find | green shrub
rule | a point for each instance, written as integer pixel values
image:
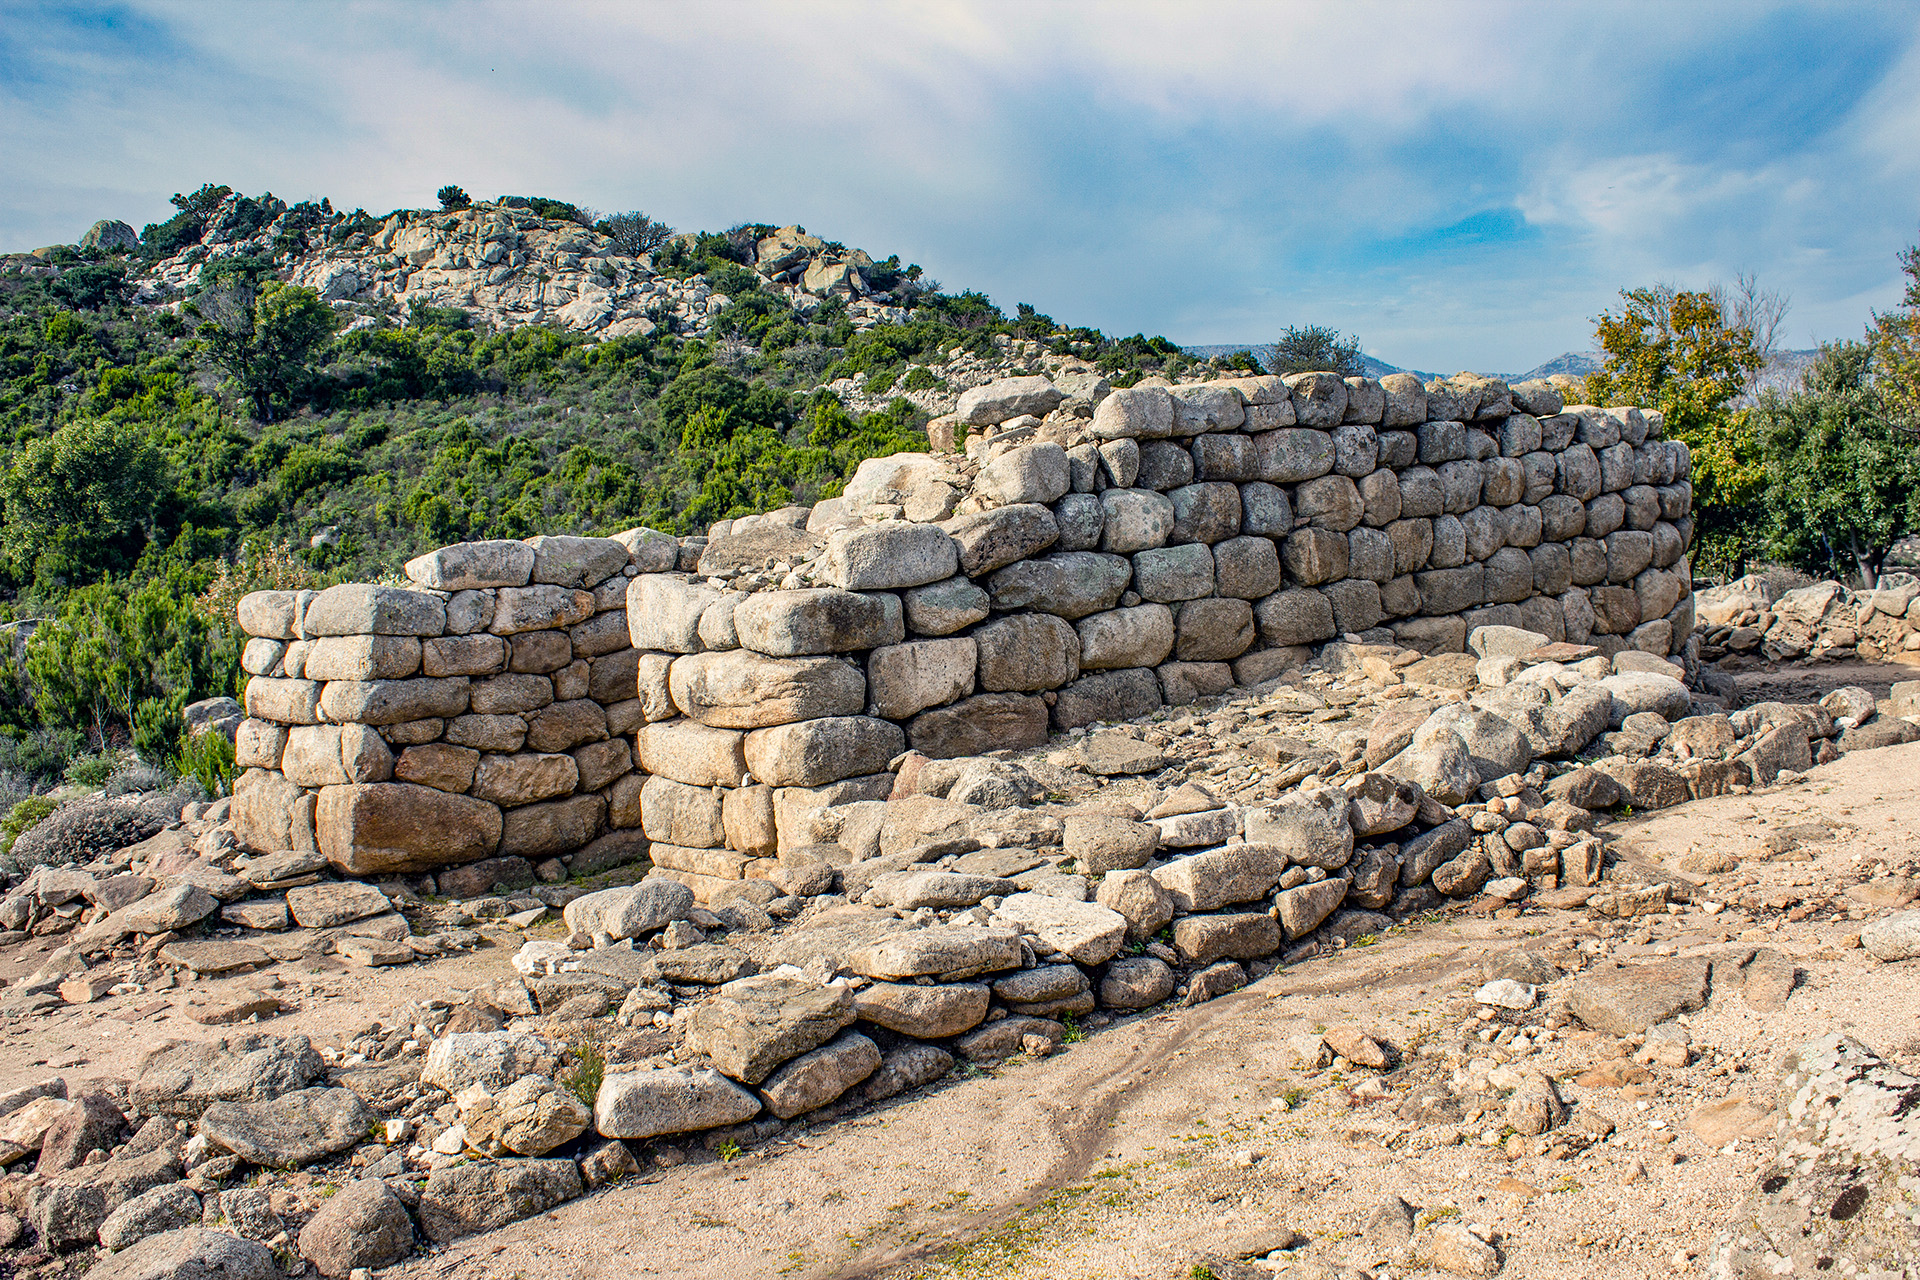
(92, 770)
(157, 726)
(452, 197)
(207, 758)
(22, 818)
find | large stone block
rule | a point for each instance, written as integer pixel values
(1357, 605)
(566, 561)
(1213, 629)
(1134, 413)
(1265, 510)
(1037, 472)
(906, 679)
(393, 701)
(1246, 568)
(742, 690)
(466, 655)
(942, 608)
(693, 753)
(353, 609)
(537, 831)
(1169, 574)
(1295, 616)
(888, 556)
(813, 753)
(363, 657)
(1208, 512)
(1081, 519)
(468, 566)
(539, 608)
(1319, 399)
(1135, 520)
(370, 829)
(1141, 636)
(1404, 400)
(1107, 695)
(270, 614)
(982, 723)
(524, 777)
(1330, 502)
(992, 539)
(1206, 406)
(1292, 455)
(1007, 398)
(1314, 556)
(1452, 590)
(283, 701)
(1027, 653)
(663, 612)
(678, 814)
(1070, 584)
(566, 725)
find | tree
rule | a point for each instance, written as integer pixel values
(1681, 352)
(1842, 479)
(634, 233)
(1895, 339)
(78, 502)
(452, 197)
(265, 337)
(1316, 349)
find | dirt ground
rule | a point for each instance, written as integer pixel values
(1151, 1147)
(1160, 1140)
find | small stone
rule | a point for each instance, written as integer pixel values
(1505, 993)
(1357, 1047)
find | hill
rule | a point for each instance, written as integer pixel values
(254, 393)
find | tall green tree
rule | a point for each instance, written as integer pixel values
(1681, 352)
(79, 502)
(1317, 349)
(1895, 339)
(265, 336)
(1842, 478)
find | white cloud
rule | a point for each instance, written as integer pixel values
(1207, 171)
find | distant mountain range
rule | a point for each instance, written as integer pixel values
(1783, 371)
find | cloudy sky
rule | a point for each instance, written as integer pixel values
(1462, 184)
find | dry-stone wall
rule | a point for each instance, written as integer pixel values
(1089, 554)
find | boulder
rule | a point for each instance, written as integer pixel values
(650, 1103)
(191, 1253)
(1309, 828)
(889, 556)
(754, 1024)
(1217, 877)
(816, 1078)
(1083, 931)
(742, 690)
(363, 1226)
(296, 1128)
(490, 1059)
(469, 566)
(184, 1079)
(385, 827)
(530, 1117)
(463, 1199)
(943, 954)
(927, 1013)
(1007, 398)
(1625, 999)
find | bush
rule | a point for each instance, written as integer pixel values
(634, 233)
(1317, 349)
(91, 770)
(41, 756)
(81, 830)
(452, 197)
(157, 726)
(207, 759)
(22, 818)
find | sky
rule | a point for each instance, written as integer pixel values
(1462, 185)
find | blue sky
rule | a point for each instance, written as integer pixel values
(1463, 185)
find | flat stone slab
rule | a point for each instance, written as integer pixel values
(1634, 997)
(1110, 755)
(211, 955)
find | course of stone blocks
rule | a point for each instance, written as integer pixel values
(698, 700)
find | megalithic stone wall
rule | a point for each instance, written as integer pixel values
(697, 701)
